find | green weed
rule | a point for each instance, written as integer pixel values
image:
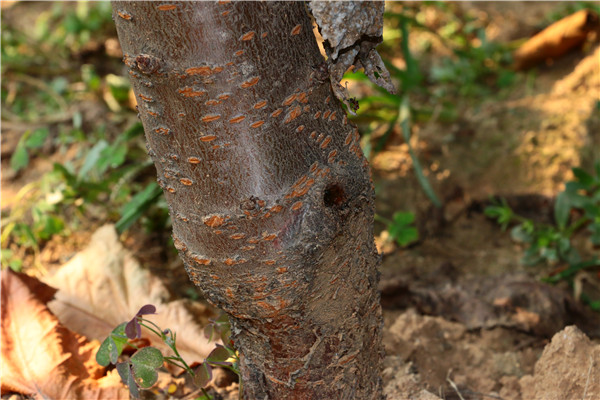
(401, 228)
(576, 208)
(100, 180)
(46, 79)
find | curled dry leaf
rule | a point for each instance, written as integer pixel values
(40, 356)
(104, 285)
(557, 39)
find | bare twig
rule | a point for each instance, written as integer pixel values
(453, 385)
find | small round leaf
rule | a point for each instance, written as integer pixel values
(219, 355)
(111, 348)
(124, 370)
(145, 362)
(203, 375)
(208, 332)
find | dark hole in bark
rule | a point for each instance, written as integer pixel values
(334, 195)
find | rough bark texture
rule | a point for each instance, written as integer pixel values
(269, 192)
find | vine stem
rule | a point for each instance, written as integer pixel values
(172, 345)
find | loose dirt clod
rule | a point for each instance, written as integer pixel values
(568, 369)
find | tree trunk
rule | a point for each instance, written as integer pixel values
(269, 192)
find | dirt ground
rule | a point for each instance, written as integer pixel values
(464, 319)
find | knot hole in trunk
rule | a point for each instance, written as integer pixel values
(334, 195)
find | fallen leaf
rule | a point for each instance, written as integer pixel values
(39, 355)
(104, 286)
(557, 39)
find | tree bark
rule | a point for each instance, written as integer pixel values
(269, 192)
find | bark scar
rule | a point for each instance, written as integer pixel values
(351, 31)
(291, 383)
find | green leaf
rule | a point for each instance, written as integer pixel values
(124, 370)
(27, 236)
(135, 130)
(145, 362)
(406, 236)
(574, 187)
(592, 211)
(575, 193)
(37, 138)
(91, 159)
(112, 347)
(493, 211)
(49, 225)
(572, 256)
(573, 269)
(595, 230)
(586, 179)
(505, 78)
(133, 210)
(532, 256)
(16, 265)
(562, 209)
(403, 218)
(501, 212)
(203, 375)
(549, 253)
(223, 318)
(520, 234)
(405, 125)
(564, 245)
(209, 331)
(112, 157)
(77, 120)
(67, 175)
(413, 76)
(6, 254)
(400, 230)
(594, 305)
(219, 355)
(59, 84)
(225, 334)
(20, 158)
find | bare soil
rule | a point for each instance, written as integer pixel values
(464, 318)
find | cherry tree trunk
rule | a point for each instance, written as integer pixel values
(269, 192)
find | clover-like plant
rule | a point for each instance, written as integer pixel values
(140, 370)
(401, 228)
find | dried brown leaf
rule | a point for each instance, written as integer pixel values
(557, 39)
(39, 355)
(104, 285)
